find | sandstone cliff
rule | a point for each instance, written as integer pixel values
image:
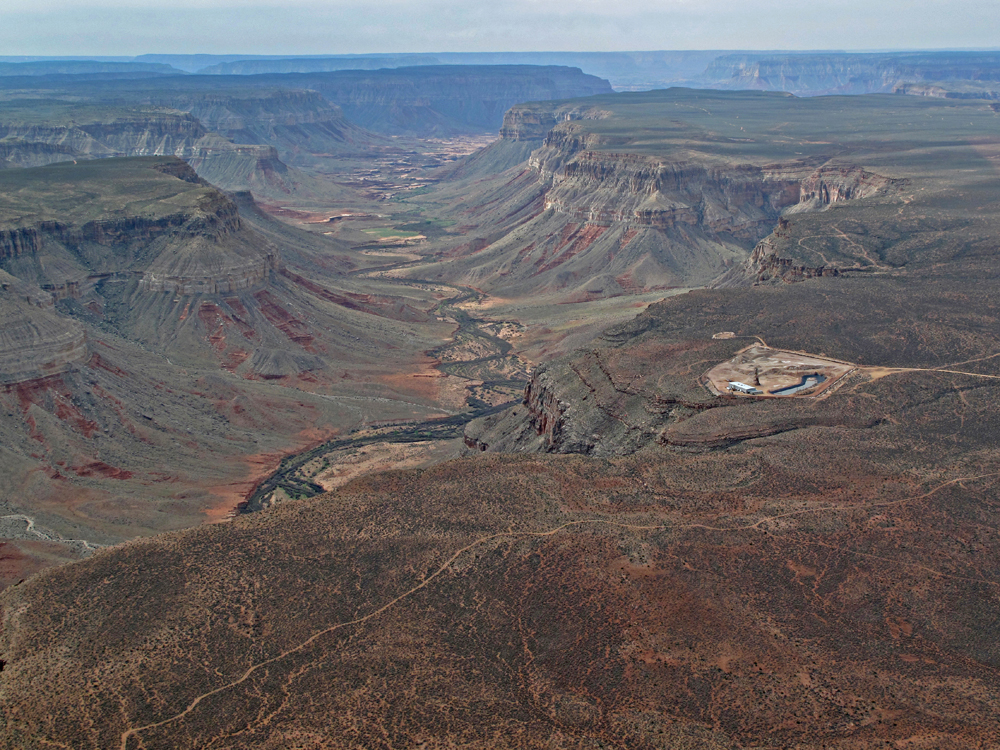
(637, 193)
(35, 342)
(301, 125)
(49, 133)
(170, 232)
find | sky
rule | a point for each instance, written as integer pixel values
(308, 27)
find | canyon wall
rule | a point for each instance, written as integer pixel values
(612, 217)
(447, 99)
(35, 342)
(292, 119)
(153, 133)
(193, 242)
(812, 74)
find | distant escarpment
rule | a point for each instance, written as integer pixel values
(312, 114)
(91, 133)
(446, 99)
(39, 133)
(301, 125)
(809, 74)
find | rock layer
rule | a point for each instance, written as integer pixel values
(35, 342)
(173, 234)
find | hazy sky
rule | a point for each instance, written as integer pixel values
(130, 27)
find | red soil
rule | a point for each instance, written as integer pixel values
(292, 327)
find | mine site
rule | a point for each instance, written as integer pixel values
(761, 371)
(395, 386)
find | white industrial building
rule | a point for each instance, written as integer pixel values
(735, 385)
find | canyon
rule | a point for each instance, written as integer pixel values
(147, 313)
(478, 490)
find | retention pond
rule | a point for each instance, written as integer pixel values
(808, 381)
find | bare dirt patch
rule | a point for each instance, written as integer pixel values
(773, 370)
(339, 467)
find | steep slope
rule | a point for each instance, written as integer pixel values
(840, 596)
(300, 124)
(35, 343)
(37, 132)
(639, 192)
(159, 346)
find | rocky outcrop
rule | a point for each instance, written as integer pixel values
(823, 188)
(989, 91)
(151, 133)
(593, 403)
(764, 265)
(608, 187)
(534, 123)
(185, 237)
(833, 184)
(592, 182)
(19, 241)
(209, 269)
(35, 342)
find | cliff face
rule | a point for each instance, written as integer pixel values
(611, 219)
(597, 402)
(438, 100)
(626, 199)
(824, 188)
(816, 74)
(301, 125)
(152, 134)
(603, 186)
(87, 132)
(190, 240)
(35, 342)
(533, 123)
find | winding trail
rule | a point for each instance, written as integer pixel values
(50, 536)
(446, 565)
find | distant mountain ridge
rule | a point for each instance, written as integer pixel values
(846, 73)
(421, 101)
(35, 133)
